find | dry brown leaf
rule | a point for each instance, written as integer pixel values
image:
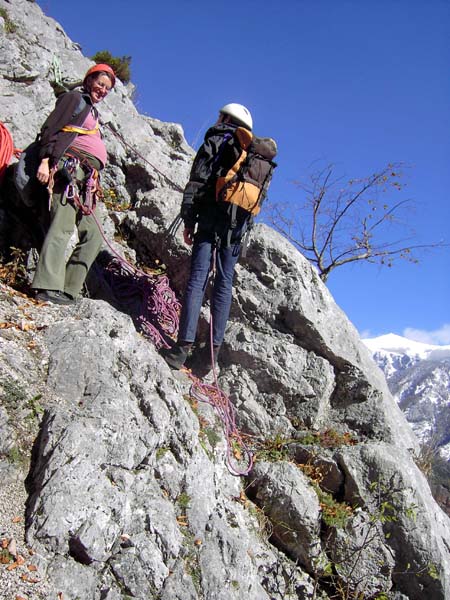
(32, 567)
(237, 454)
(26, 326)
(16, 520)
(12, 566)
(5, 543)
(198, 542)
(60, 596)
(20, 598)
(182, 521)
(5, 325)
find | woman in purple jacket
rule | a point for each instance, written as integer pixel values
(72, 153)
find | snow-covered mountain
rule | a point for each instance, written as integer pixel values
(418, 376)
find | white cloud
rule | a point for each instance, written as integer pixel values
(438, 337)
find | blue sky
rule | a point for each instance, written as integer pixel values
(358, 84)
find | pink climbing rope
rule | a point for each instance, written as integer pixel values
(158, 311)
(237, 451)
(159, 308)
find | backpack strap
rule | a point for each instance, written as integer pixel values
(244, 138)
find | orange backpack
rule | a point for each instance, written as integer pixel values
(246, 183)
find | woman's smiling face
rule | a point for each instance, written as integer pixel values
(99, 87)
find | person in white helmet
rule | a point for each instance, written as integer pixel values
(207, 229)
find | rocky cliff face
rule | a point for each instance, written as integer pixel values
(128, 493)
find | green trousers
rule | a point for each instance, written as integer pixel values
(52, 272)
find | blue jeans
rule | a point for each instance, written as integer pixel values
(226, 259)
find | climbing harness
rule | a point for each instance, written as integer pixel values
(7, 150)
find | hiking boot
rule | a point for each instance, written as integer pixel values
(200, 361)
(176, 356)
(55, 297)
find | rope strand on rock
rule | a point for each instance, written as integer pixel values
(125, 143)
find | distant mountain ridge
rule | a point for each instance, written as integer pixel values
(418, 376)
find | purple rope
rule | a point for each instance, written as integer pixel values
(157, 307)
(215, 397)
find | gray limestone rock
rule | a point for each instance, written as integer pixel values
(128, 489)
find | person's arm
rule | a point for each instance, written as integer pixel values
(61, 115)
(201, 182)
(43, 172)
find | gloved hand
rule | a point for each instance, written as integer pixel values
(188, 215)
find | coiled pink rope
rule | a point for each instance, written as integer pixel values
(152, 299)
(237, 451)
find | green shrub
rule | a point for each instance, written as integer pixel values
(120, 64)
(10, 27)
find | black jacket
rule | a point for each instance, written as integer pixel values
(214, 158)
(54, 142)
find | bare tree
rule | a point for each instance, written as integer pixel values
(342, 222)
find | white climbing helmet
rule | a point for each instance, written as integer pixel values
(239, 113)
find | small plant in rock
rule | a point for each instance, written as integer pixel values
(35, 407)
(308, 438)
(265, 528)
(273, 449)
(313, 472)
(329, 438)
(13, 395)
(160, 452)
(212, 436)
(10, 26)
(112, 201)
(334, 514)
(184, 500)
(333, 439)
(16, 456)
(5, 555)
(191, 563)
(208, 438)
(13, 270)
